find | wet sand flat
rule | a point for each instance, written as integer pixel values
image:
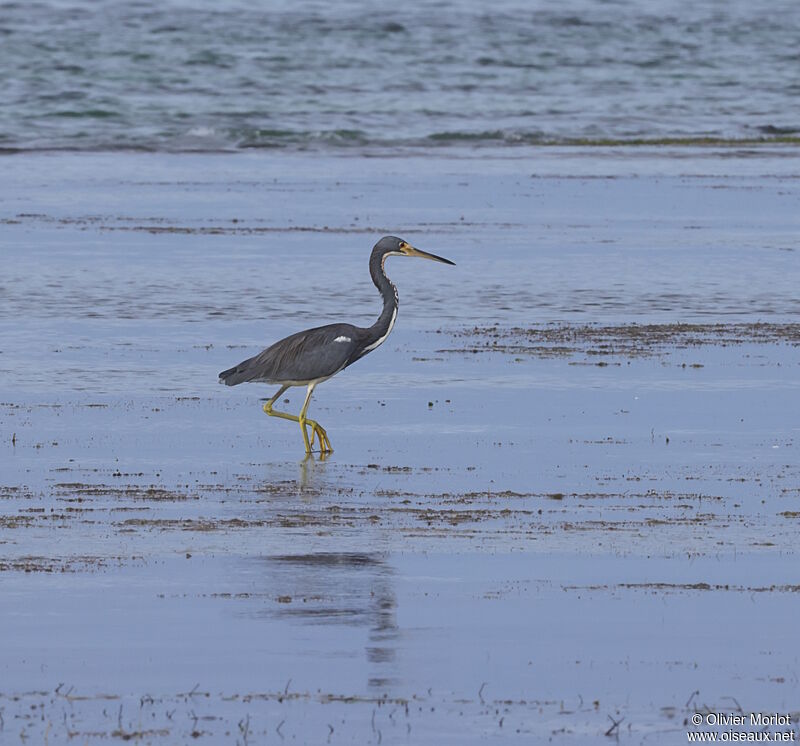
(565, 494)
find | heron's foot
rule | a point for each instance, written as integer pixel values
(319, 432)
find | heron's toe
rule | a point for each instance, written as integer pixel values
(318, 433)
(324, 441)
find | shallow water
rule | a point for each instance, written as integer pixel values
(541, 516)
(378, 75)
(620, 237)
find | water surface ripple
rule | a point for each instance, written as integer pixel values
(355, 75)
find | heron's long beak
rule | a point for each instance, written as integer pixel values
(411, 251)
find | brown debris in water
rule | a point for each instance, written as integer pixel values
(623, 340)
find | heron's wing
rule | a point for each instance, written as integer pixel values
(302, 357)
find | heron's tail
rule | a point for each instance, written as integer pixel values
(237, 374)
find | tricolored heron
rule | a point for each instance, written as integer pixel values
(312, 356)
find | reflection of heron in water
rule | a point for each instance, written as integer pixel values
(352, 589)
(307, 466)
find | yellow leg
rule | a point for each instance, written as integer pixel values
(319, 431)
(268, 406)
(316, 429)
(284, 415)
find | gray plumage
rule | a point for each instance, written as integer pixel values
(314, 355)
(302, 357)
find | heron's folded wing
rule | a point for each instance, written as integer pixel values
(306, 356)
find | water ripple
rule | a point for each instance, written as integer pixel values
(230, 76)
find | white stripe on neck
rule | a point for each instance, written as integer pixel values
(381, 339)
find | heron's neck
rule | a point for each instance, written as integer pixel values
(378, 332)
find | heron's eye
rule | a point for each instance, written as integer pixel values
(403, 245)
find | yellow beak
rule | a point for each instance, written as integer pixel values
(409, 250)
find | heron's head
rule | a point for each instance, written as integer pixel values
(393, 246)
